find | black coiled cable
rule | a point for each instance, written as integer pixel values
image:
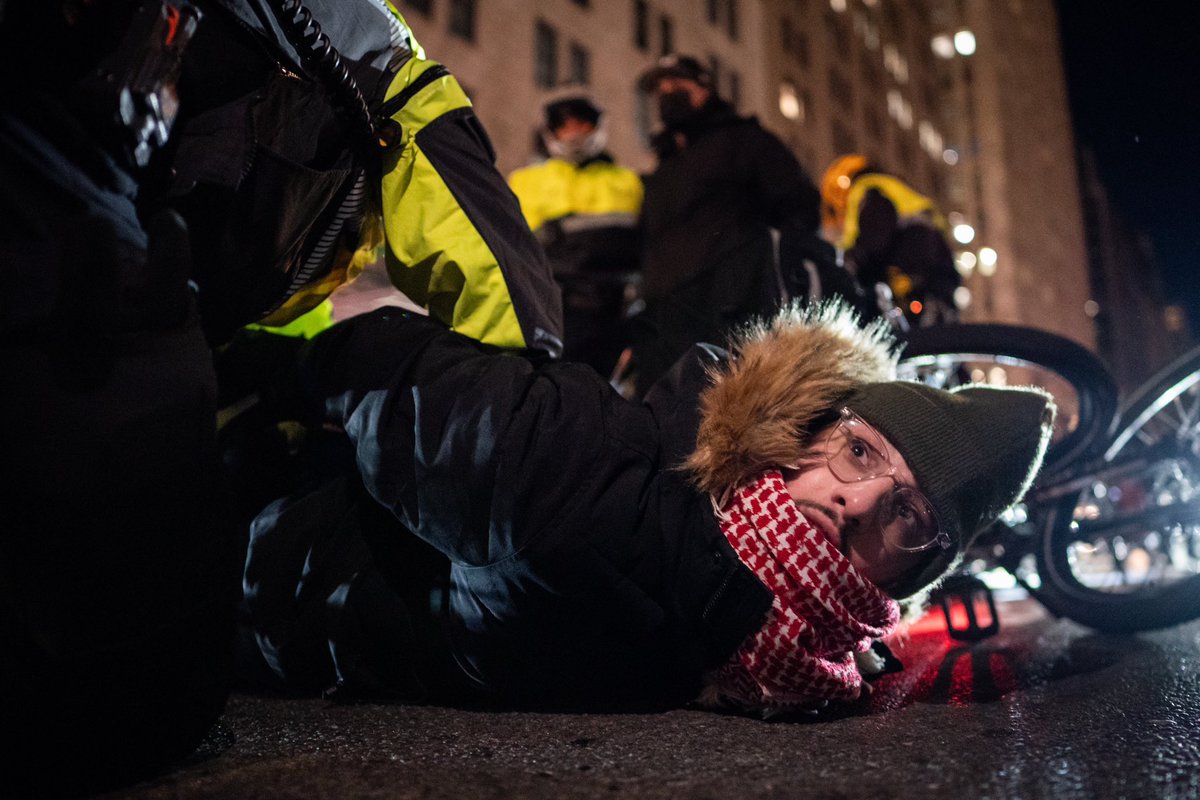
(324, 63)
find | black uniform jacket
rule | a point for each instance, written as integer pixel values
(709, 205)
(584, 570)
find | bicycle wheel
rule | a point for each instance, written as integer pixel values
(948, 355)
(1123, 554)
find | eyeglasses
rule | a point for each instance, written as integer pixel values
(856, 452)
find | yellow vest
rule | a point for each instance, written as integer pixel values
(910, 204)
(555, 189)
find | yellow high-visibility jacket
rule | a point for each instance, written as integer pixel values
(450, 229)
(555, 189)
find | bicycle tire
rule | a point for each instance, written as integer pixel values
(1092, 385)
(1167, 404)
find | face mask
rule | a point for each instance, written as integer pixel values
(577, 149)
(675, 107)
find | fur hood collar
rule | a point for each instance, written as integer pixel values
(783, 374)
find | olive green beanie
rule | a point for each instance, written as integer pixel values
(974, 451)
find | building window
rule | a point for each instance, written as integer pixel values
(874, 124)
(714, 68)
(641, 24)
(794, 42)
(583, 3)
(423, 6)
(714, 11)
(840, 89)
(666, 31)
(546, 56)
(735, 89)
(580, 66)
(844, 140)
(790, 104)
(462, 19)
(801, 48)
(731, 18)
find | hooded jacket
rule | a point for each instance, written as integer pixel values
(585, 563)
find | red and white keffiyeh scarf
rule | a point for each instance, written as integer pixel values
(823, 610)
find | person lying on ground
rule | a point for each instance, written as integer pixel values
(510, 528)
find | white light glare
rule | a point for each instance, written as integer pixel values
(963, 233)
(964, 43)
(942, 46)
(789, 102)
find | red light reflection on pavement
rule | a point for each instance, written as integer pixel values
(941, 670)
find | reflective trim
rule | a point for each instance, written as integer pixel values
(587, 222)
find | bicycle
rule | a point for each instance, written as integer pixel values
(1109, 535)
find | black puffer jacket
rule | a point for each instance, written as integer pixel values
(583, 569)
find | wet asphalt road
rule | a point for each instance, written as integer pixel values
(1046, 709)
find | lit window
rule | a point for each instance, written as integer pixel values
(871, 36)
(838, 5)
(894, 101)
(1091, 308)
(950, 156)
(930, 139)
(962, 297)
(790, 104)
(899, 109)
(963, 233)
(965, 262)
(964, 43)
(895, 63)
(942, 46)
(987, 256)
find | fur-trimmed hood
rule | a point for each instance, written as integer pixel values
(783, 374)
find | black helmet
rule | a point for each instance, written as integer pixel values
(675, 66)
(579, 107)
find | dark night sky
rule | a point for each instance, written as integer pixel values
(1133, 73)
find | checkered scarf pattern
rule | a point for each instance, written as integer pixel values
(822, 612)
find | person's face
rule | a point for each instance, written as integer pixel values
(573, 130)
(696, 93)
(848, 513)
